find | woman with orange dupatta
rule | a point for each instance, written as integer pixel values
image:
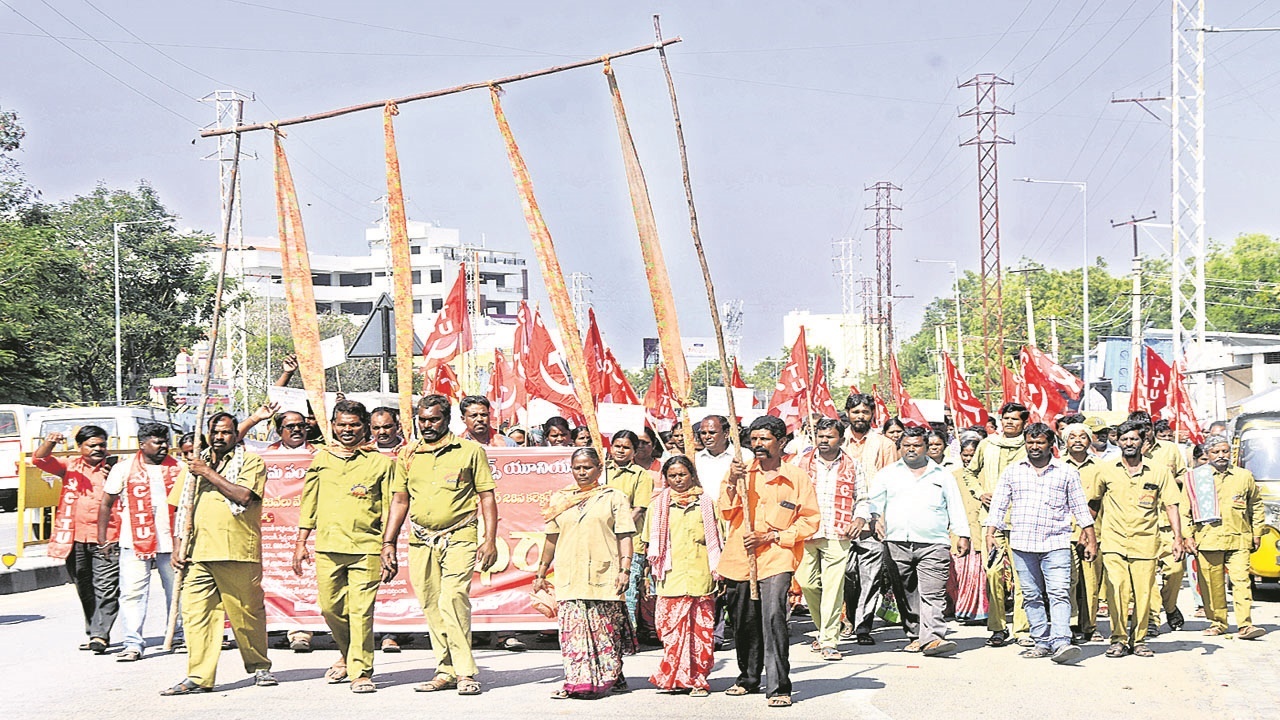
(684, 547)
(589, 527)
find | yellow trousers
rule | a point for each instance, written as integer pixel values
(997, 593)
(210, 588)
(1172, 572)
(1086, 590)
(1215, 566)
(821, 579)
(1129, 579)
(442, 583)
(347, 586)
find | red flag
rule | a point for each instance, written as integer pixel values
(443, 381)
(1138, 389)
(908, 412)
(538, 365)
(790, 399)
(882, 410)
(608, 383)
(1042, 396)
(660, 402)
(737, 376)
(822, 403)
(1158, 381)
(966, 408)
(506, 392)
(1010, 386)
(1183, 415)
(1055, 373)
(451, 333)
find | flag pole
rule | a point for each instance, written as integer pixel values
(182, 519)
(711, 296)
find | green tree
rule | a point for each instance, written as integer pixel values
(35, 320)
(1242, 285)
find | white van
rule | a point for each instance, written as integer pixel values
(14, 420)
(120, 421)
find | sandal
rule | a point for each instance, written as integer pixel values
(912, 647)
(1035, 652)
(737, 690)
(831, 654)
(130, 655)
(437, 683)
(186, 687)
(998, 639)
(815, 646)
(1141, 650)
(468, 686)
(1117, 650)
(780, 701)
(699, 692)
(336, 673)
(513, 644)
(1212, 630)
(620, 686)
(561, 695)
(363, 685)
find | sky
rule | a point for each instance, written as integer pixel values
(790, 110)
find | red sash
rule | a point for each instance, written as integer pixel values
(845, 479)
(74, 485)
(142, 519)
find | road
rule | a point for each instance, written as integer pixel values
(1191, 675)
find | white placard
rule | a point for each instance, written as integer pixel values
(332, 352)
(718, 400)
(289, 399)
(613, 417)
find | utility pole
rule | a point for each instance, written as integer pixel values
(1026, 292)
(580, 297)
(985, 112)
(884, 227)
(1135, 323)
(731, 317)
(1053, 338)
(870, 341)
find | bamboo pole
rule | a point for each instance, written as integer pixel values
(182, 524)
(711, 296)
(482, 85)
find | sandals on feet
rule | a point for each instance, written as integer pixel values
(998, 638)
(780, 701)
(437, 683)
(831, 654)
(468, 686)
(1141, 650)
(336, 673)
(186, 687)
(1117, 650)
(363, 685)
(737, 690)
(699, 692)
(561, 695)
(129, 655)
(620, 686)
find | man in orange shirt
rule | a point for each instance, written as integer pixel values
(75, 530)
(778, 513)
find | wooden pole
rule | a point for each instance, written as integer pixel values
(660, 44)
(482, 85)
(182, 524)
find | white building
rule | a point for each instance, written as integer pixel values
(351, 284)
(845, 341)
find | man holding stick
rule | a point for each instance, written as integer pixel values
(777, 514)
(224, 561)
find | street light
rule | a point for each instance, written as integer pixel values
(115, 243)
(956, 275)
(1083, 187)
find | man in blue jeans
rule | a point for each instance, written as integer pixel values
(1040, 495)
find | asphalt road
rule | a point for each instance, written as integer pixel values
(1192, 675)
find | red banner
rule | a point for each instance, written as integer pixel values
(499, 598)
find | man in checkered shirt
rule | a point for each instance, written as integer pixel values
(1035, 499)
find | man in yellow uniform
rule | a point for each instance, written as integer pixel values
(1225, 516)
(343, 498)
(1135, 493)
(994, 454)
(223, 560)
(441, 483)
(1167, 454)
(1086, 575)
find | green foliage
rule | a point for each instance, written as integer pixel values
(35, 317)
(1241, 290)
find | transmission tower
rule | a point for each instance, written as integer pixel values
(884, 227)
(731, 316)
(229, 112)
(870, 339)
(580, 297)
(843, 257)
(985, 112)
(1187, 170)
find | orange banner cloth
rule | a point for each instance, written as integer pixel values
(401, 273)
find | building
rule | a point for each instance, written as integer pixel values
(844, 340)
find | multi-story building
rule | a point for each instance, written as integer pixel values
(843, 337)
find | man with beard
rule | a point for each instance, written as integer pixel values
(1167, 454)
(385, 430)
(994, 454)
(294, 431)
(75, 536)
(223, 560)
(1086, 576)
(1043, 495)
(864, 572)
(443, 483)
(1135, 493)
(1225, 520)
(921, 508)
(777, 514)
(475, 410)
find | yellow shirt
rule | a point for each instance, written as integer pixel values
(1132, 505)
(444, 482)
(633, 481)
(344, 501)
(690, 573)
(587, 562)
(1240, 504)
(1088, 480)
(217, 533)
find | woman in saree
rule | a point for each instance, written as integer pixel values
(966, 585)
(684, 545)
(589, 529)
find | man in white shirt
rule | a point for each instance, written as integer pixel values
(712, 461)
(146, 535)
(919, 503)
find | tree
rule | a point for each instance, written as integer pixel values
(1241, 290)
(34, 318)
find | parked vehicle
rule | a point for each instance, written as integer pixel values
(14, 420)
(1255, 440)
